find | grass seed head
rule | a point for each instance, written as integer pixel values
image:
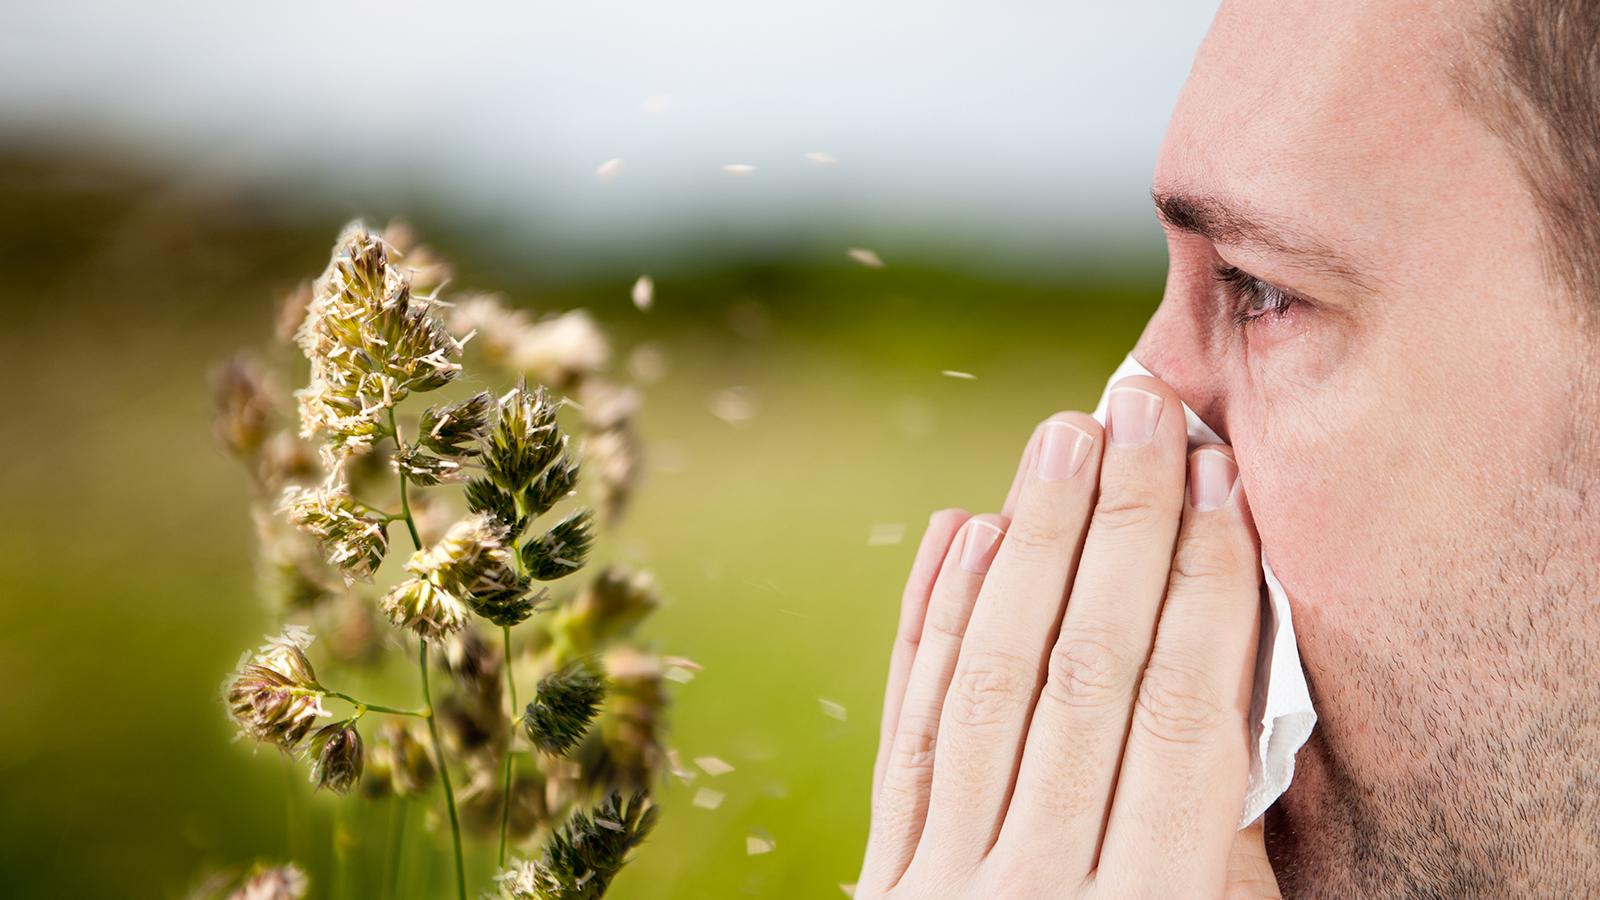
(565, 703)
(583, 856)
(562, 550)
(354, 538)
(273, 696)
(371, 343)
(336, 757)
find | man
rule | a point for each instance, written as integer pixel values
(1384, 227)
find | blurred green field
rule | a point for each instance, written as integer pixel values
(126, 583)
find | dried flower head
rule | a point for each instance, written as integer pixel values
(371, 343)
(353, 536)
(274, 696)
(608, 608)
(561, 350)
(241, 399)
(516, 510)
(448, 436)
(285, 882)
(563, 706)
(425, 608)
(336, 757)
(584, 854)
(454, 430)
(562, 550)
(524, 440)
(471, 564)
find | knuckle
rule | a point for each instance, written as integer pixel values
(1177, 704)
(1036, 536)
(907, 774)
(947, 621)
(1205, 557)
(989, 688)
(906, 642)
(1131, 505)
(1013, 876)
(1087, 670)
(914, 745)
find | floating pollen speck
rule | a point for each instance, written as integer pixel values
(608, 171)
(706, 798)
(734, 405)
(676, 766)
(738, 169)
(865, 257)
(755, 845)
(712, 765)
(954, 373)
(886, 533)
(818, 158)
(644, 292)
(833, 709)
(647, 363)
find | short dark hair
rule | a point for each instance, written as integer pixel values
(1539, 90)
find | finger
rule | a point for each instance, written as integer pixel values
(1183, 774)
(901, 802)
(1069, 766)
(942, 528)
(1250, 875)
(1030, 454)
(1002, 658)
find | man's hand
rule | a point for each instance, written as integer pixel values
(1067, 698)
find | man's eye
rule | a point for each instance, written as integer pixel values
(1249, 297)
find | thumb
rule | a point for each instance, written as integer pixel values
(1249, 872)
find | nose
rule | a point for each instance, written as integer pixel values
(1176, 347)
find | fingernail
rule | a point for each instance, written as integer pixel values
(1211, 477)
(983, 539)
(1133, 415)
(1062, 450)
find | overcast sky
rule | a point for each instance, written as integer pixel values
(1005, 123)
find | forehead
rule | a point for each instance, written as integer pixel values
(1344, 112)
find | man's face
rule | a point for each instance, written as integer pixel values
(1404, 395)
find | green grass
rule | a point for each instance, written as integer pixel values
(126, 581)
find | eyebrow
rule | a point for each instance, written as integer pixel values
(1222, 223)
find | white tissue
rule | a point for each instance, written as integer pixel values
(1281, 717)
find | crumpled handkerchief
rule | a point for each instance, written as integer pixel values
(1281, 715)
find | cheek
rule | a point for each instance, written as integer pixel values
(1314, 503)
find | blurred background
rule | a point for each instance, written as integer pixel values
(169, 169)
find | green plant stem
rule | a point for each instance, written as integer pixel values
(397, 841)
(362, 707)
(444, 771)
(511, 740)
(405, 504)
(341, 854)
(427, 697)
